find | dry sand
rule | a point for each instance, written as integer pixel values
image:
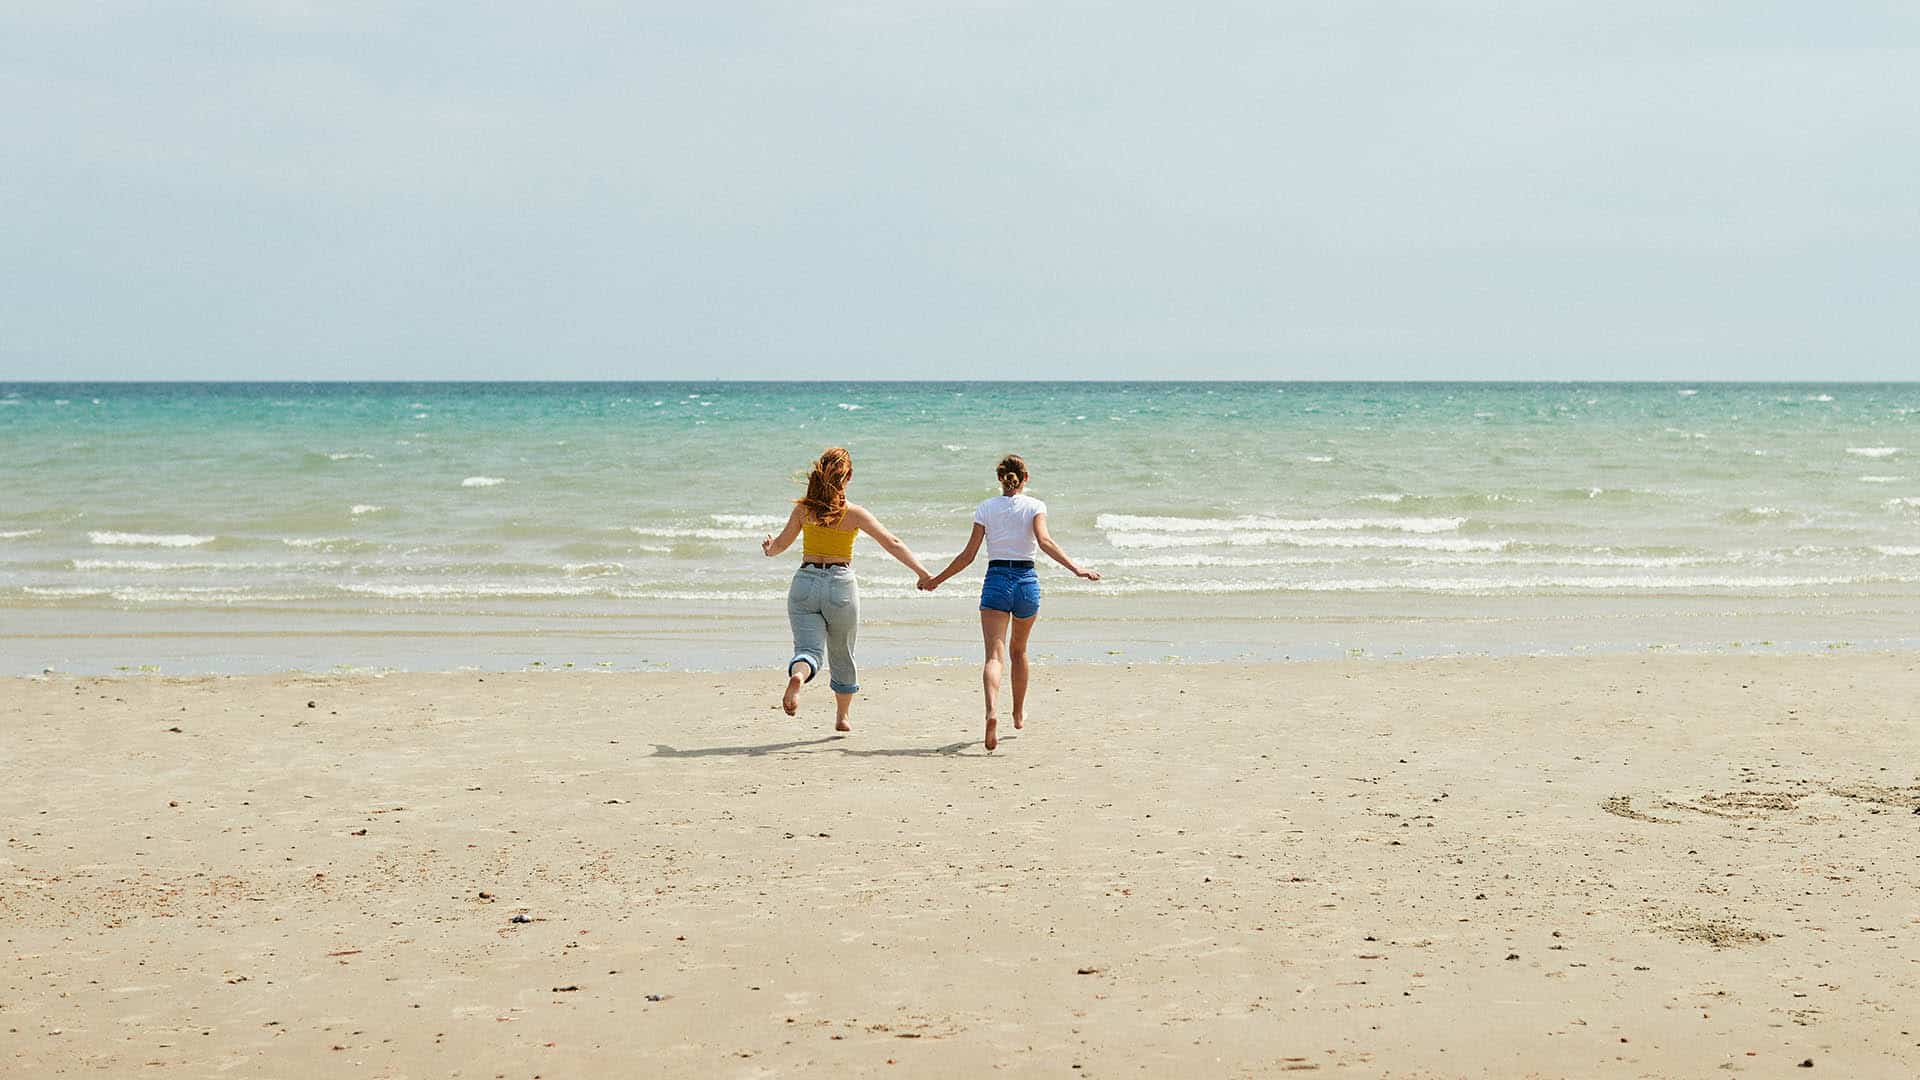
(1621, 866)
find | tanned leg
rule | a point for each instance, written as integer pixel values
(1017, 662)
(993, 632)
(841, 703)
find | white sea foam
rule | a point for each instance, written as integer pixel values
(127, 539)
(483, 481)
(952, 447)
(1194, 560)
(472, 590)
(849, 406)
(693, 534)
(1820, 397)
(1135, 523)
(323, 543)
(358, 509)
(1319, 459)
(1687, 393)
(1881, 479)
(151, 566)
(1471, 585)
(1903, 504)
(603, 569)
(750, 521)
(348, 455)
(1302, 540)
(18, 534)
(1765, 511)
(1873, 451)
(1896, 549)
(1393, 497)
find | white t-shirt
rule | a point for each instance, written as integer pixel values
(1009, 522)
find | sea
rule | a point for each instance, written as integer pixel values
(234, 527)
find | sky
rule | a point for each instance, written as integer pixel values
(365, 189)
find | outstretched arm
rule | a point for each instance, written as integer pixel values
(860, 518)
(961, 561)
(1053, 551)
(774, 545)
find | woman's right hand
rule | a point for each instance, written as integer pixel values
(766, 546)
(1090, 575)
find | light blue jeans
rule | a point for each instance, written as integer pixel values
(824, 607)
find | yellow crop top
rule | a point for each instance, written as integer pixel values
(827, 543)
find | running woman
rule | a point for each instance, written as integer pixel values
(823, 603)
(1013, 524)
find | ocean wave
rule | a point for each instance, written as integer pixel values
(693, 534)
(1873, 451)
(467, 590)
(328, 544)
(349, 455)
(129, 539)
(1881, 479)
(1135, 523)
(605, 569)
(18, 534)
(156, 566)
(1302, 540)
(1909, 503)
(483, 481)
(1196, 560)
(357, 509)
(750, 521)
(1901, 550)
(849, 407)
(155, 594)
(1756, 514)
(1476, 585)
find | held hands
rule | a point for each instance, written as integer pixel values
(928, 583)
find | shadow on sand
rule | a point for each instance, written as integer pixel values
(948, 750)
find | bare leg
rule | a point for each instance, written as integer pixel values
(1017, 661)
(790, 701)
(993, 632)
(841, 703)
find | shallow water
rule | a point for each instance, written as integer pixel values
(236, 526)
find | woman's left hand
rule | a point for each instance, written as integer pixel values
(1090, 575)
(766, 546)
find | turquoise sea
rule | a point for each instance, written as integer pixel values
(217, 527)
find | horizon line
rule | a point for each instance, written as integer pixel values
(935, 382)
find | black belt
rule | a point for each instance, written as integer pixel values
(831, 565)
(1018, 564)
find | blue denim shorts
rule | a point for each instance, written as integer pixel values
(1014, 589)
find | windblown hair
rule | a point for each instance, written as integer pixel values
(1012, 471)
(826, 497)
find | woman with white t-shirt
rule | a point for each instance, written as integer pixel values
(1013, 524)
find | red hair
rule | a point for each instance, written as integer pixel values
(826, 497)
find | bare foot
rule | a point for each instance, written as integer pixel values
(791, 700)
(1019, 721)
(840, 724)
(993, 732)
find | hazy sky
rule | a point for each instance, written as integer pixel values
(892, 189)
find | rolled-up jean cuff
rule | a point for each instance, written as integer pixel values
(813, 666)
(844, 688)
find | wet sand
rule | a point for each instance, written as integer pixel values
(1618, 866)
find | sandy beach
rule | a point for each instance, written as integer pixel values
(1613, 866)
